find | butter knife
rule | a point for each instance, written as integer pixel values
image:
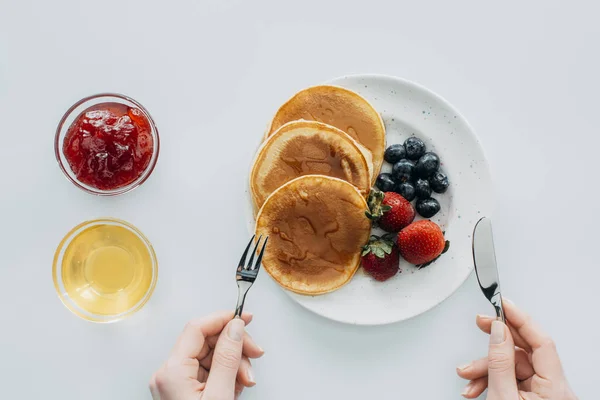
(484, 257)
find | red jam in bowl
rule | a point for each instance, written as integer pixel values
(109, 145)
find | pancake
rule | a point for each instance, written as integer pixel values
(316, 226)
(339, 107)
(307, 148)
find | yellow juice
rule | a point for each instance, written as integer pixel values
(106, 269)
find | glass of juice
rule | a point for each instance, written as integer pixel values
(104, 270)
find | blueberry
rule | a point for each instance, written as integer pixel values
(394, 153)
(403, 171)
(439, 182)
(422, 189)
(406, 190)
(427, 208)
(427, 165)
(385, 182)
(415, 148)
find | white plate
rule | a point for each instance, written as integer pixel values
(409, 109)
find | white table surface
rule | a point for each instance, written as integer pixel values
(524, 73)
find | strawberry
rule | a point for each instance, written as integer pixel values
(421, 242)
(380, 258)
(392, 211)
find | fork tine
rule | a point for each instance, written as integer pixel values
(243, 259)
(249, 265)
(260, 256)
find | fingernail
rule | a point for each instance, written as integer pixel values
(251, 376)
(509, 301)
(236, 329)
(464, 368)
(467, 390)
(481, 316)
(498, 333)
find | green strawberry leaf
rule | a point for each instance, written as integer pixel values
(376, 207)
(386, 247)
(380, 246)
(378, 251)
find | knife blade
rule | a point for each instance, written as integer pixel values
(484, 258)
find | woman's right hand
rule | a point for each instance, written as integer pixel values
(211, 360)
(522, 362)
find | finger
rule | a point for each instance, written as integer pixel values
(476, 369)
(484, 323)
(250, 350)
(528, 395)
(226, 362)
(173, 383)
(545, 358)
(523, 323)
(544, 388)
(206, 362)
(191, 342)
(187, 368)
(479, 368)
(523, 368)
(202, 375)
(501, 362)
(525, 385)
(475, 388)
(239, 389)
(245, 374)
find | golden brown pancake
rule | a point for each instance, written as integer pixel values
(316, 226)
(308, 148)
(339, 107)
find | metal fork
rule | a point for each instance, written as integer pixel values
(245, 274)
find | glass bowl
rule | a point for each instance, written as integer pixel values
(104, 270)
(74, 112)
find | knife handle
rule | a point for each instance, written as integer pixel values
(499, 310)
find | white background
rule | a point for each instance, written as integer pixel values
(524, 73)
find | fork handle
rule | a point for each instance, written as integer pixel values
(239, 308)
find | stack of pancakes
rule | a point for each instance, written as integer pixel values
(321, 154)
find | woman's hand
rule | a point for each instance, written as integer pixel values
(210, 361)
(522, 362)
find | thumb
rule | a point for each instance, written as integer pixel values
(502, 382)
(226, 362)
